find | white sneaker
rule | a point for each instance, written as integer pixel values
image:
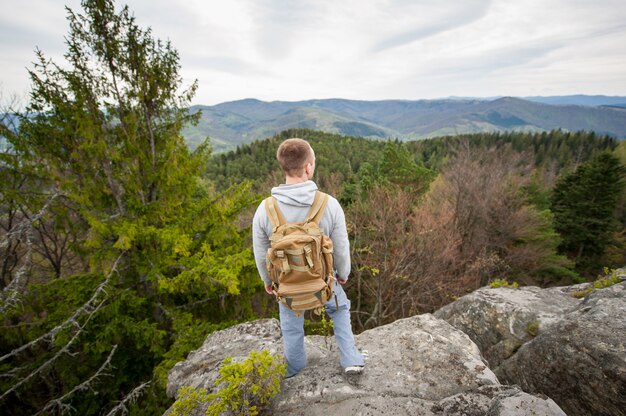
(354, 370)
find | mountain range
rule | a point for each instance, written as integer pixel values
(238, 122)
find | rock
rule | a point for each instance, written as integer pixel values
(580, 361)
(419, 357)
(487, 400)
(548, 342)
(501, 320)
(520, 403)
(419, 365)
(200, 369)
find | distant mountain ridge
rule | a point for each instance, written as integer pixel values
(586, 100)
(238, 122)
(577, 99)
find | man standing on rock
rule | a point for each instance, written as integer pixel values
(295, 197)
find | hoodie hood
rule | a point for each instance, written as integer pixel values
(298, 195)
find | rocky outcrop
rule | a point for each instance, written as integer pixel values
(200, 369)
(548, 342)
(581, 360)
(501, 320)
(420, 365)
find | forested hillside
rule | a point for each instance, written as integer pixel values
(121, 249)
(436, 218)
(241, 122)
(344, 155)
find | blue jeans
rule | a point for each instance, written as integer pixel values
(293, 334)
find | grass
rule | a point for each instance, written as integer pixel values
(503, 283)
(609, 279)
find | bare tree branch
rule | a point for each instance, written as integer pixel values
(87, 384)
(130, 398)
(20, 279)
(64, 350)
(88, 309)
(9, 294)
(23, 227)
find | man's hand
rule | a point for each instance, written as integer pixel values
(269, 290)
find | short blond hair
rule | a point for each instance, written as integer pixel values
(293, 155)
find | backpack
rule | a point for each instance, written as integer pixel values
(300, 258)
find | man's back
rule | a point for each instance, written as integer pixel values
(294, 202)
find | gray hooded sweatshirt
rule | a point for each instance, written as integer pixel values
(294, 202)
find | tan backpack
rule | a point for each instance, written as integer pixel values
(300, 258)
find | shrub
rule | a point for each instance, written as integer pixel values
(503, 283)
(244, 388)
(578, 294)
(532, 329)
(609, 279)
(190, 399)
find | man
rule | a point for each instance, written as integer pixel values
(295, 197)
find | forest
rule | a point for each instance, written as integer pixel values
(122, 249)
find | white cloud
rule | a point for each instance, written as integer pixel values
(378, 49)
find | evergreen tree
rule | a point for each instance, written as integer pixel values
(398, 167)
(584, 204)
(102, 134)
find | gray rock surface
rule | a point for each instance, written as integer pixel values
(200, 369)
(501, 320)
(581, 360)
(416, 366)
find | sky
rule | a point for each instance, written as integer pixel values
(356, 49)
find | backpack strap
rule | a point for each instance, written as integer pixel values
(315, 212)
(273, 212)
(317, 208)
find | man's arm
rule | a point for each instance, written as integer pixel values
(341, 244)
(260, 244)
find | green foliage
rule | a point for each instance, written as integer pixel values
(356, 163)
(496, 283)
(551, 267)
(244, 388)
(99, 152)
(609, 279)
(558, 269)
(578, 294)
(190, 333)
(338, 157)
(620, 152)
(247, 387)
(207, 254)
(399, 167)
(323, 327)
(548, 150)
(532, 329)
(584, 203)
(189, 401)
(109, 126)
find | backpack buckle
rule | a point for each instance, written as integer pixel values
(307, 255)
(281, 255)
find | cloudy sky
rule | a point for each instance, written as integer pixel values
(368, 50)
